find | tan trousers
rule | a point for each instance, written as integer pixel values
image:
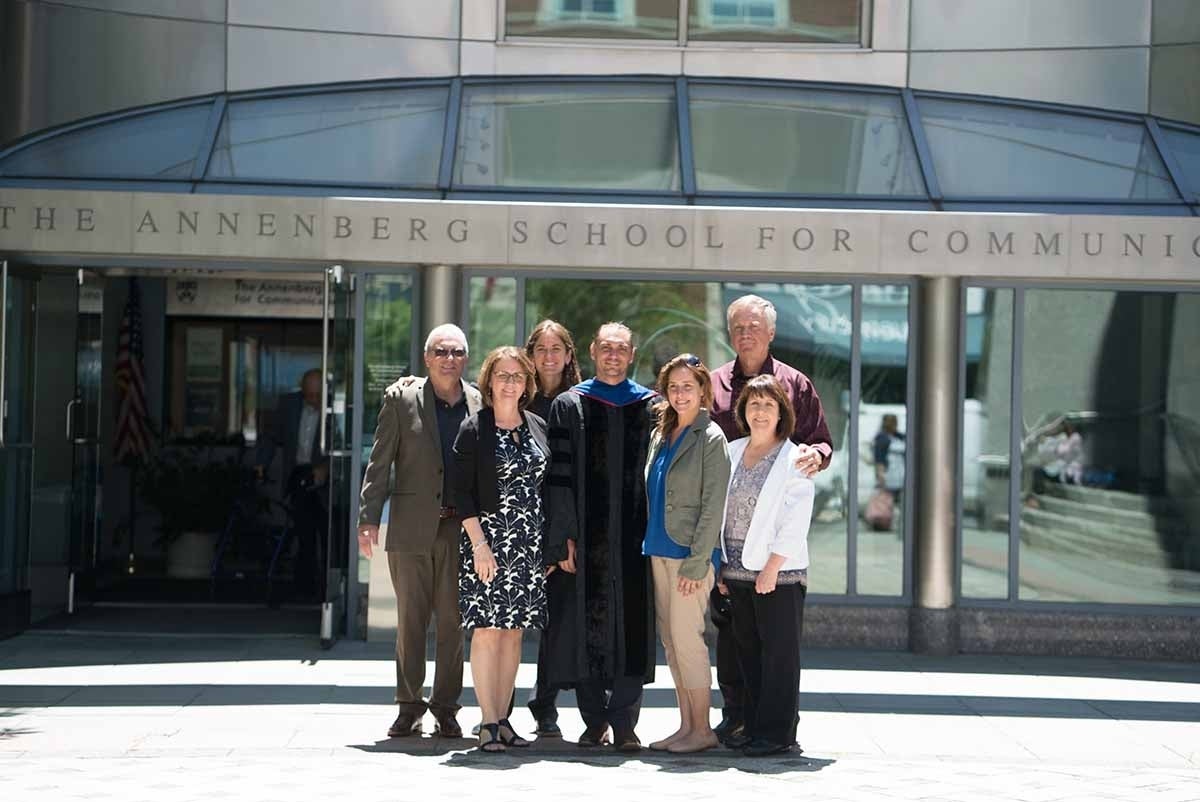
(681, 624)
(427, 584)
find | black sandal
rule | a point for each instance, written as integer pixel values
(493, 743)
(512, 739)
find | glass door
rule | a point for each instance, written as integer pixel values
(83, 431)
(337, 363)
(17, 338)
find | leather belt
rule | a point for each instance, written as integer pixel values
(448, 512)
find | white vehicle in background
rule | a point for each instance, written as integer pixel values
(831, 483)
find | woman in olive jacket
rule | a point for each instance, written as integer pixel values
(687, 473)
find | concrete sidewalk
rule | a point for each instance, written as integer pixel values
(172, 718)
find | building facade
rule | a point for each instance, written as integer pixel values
(980, 217)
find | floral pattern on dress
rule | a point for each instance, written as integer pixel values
(516, 598)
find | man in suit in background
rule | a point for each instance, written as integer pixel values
(296, 430)
(414, 440)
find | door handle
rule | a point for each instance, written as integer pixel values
(70, 417)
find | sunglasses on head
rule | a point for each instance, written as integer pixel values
(691, 360)
(441, 352)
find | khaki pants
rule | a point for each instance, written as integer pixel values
(681, 624)
(427, 584)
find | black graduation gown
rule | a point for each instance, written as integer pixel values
(601, 620)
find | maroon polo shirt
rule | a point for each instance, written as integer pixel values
(811, 429)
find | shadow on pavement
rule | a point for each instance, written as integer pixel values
(461, 753)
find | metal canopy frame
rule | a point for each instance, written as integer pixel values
(688, 193)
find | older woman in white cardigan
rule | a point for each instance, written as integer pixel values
(764, 566)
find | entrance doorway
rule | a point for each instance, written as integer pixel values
(152, 445)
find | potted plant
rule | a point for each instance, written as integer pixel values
(193, 490)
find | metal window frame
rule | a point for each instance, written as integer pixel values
(866, 20)
(688, 193)
(851, 597)
(1189, 191)
(1013, 601)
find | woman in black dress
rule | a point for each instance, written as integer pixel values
(501, 455)
(552, 351)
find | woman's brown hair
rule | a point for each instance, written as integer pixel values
(767, 386)
(668, 418)
(489, 368)
(570, 374)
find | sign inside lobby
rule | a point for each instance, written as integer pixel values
(111, 225)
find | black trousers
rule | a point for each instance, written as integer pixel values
(617, 703)
(766, 628)
(729, 672)
(544, 702)
(310, 518)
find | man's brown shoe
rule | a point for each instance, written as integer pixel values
(446, 726)
(405, 724)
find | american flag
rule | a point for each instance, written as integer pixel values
(133, 431)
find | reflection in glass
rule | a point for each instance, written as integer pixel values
(376, 137)
(493, 318)
(984, 149)
(882, 437)
(1186, 147)
(581, 136)
(160, 144)
(798, 141)
(16, 458)
(824, 21)
(668, 318)
(625, 19)
(387, 343)
(985, 442)
(1110, 447)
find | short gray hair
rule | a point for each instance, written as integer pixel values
(446, 331)
(752, 303)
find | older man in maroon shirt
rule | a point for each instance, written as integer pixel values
(751, 322)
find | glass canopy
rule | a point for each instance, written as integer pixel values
(646, 139)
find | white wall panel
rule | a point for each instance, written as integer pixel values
(1174, 85)
(480, 20)
(435, 18)
(578, 59)
(1015, 24)
(1108, 79)
(263, 57)
(1176, 22)
(200, 10)
(889, 24)
(883, 69)
(75, 63)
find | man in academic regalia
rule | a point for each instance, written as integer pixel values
(601, 633)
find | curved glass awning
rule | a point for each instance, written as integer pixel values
(636, 139)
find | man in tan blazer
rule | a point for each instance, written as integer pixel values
(413, 441)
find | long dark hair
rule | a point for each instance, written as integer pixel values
(570, 374)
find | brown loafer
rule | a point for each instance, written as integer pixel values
(446, 726)
(405, 724)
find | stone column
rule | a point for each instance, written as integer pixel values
(440, 301)
(933, 624)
